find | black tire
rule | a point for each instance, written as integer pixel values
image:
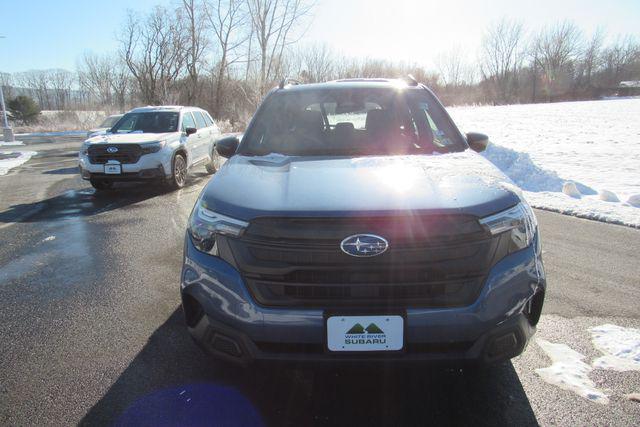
(212, 166)
(101, 184)
(178, 172)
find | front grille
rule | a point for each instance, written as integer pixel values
(432, 261)
(126, 154)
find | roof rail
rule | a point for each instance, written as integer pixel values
(287, 81)
(411, 81)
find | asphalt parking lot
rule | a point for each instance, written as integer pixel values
(91, 331)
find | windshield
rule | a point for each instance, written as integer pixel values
(362, 121)
(150, 122)
(110, 121)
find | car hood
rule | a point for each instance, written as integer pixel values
(276, 185)
(130, 138)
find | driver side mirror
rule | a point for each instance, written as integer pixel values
(227, 146)
(477, 141)
(190, 131)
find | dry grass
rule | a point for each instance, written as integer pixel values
(62, 121)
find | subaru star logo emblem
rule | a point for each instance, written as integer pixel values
(112, 150)
(364, 245)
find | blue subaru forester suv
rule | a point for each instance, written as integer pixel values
(354, 222)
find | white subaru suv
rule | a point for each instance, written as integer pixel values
(151, 144)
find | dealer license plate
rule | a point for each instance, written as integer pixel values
(365, 333)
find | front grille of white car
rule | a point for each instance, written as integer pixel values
(123, 153)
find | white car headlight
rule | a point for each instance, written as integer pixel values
(519, 221)
(84, 149)
(205, 225)
(152, 147)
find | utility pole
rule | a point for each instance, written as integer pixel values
(6, 129)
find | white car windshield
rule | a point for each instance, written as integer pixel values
(149, 122)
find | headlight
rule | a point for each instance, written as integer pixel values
(84, 149)
(205, 225)
(152, 147)
(519, 221)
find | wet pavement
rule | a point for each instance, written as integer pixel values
(91, 331)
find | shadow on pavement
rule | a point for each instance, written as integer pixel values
(171, 382)
(87, 201)
(62, 171)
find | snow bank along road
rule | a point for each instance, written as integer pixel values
(595, 145)
(91, 332)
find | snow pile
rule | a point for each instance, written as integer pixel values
(10, 143)
(594, 145)
(13, 159)
(568, 371)
(62, 133)
(620, 346)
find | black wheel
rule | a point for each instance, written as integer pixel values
(212, 166)
(179, 175)
(101, 184)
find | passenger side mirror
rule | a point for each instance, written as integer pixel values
(227, 146)
(477, 141)
(190, 131)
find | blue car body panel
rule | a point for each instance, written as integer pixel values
(462, 183)
(508, 289)
(224, 311)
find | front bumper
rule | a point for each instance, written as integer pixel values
(141, 175)
(149, 166)
(225, 320)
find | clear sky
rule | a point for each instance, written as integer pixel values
(53, 34)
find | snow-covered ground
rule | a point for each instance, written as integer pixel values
(13, 159)
(541, 147)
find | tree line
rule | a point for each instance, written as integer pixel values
(224, 55)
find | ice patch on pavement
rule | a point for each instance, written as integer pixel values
(48, 239)
(568, 371)
(620, 346)
(13, 159)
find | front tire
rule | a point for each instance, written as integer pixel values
(101, 184)
(212, 166)
(179, 172)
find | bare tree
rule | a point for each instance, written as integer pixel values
(592, 57)
(314, 63)
(121, 85)
(621, 60)
(61, 82)
(197, 43)
(95, 74)
(153, 49)
(453, 68)
(37, 82)
(273, 22)
(501, 56)
(556, 50)
(227, 19)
